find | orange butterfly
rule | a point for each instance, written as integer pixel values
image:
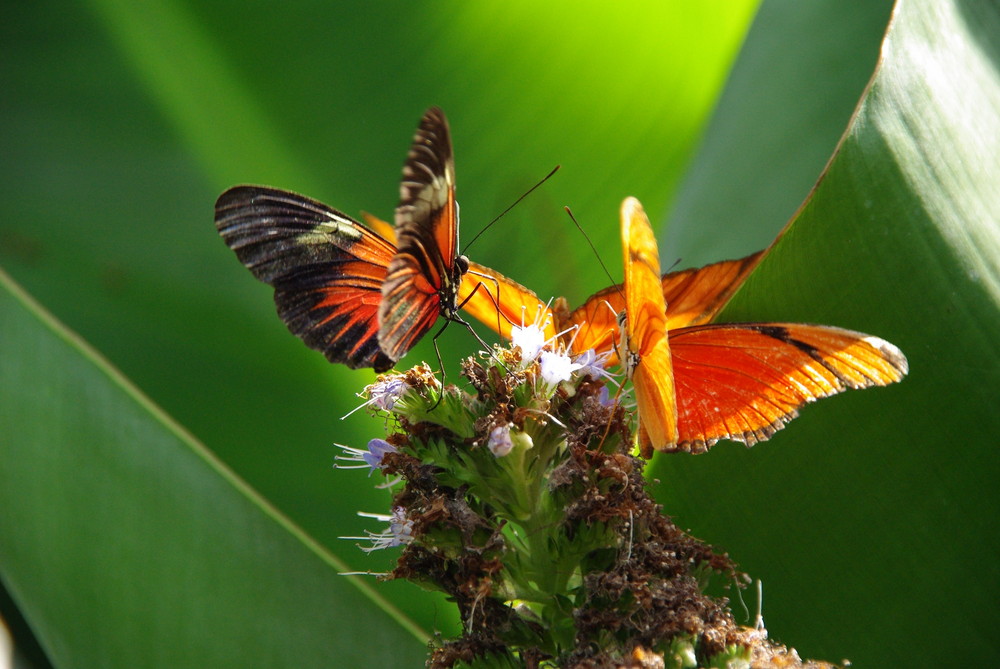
(695, 382)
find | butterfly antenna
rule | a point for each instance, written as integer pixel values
(592, 247)
(515, 203)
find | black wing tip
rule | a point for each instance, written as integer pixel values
(241, 193)
(246, 193)
(435, 115)
(383, 363)
(432, 131)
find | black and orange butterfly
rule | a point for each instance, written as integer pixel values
(351, 292)
(697, 382)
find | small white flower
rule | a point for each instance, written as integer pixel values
(500, 443)
(557, 368)
(530, 339)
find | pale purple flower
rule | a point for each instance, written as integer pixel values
(500, 443)
(556, 367)
(399, 532)
(377, 448)
(370, 457)
(592, 364)
(604, 397)
(384, 394)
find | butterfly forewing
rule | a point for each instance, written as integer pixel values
(696, 296)
(327, 270)
(644, 330)
(422, 278)
(693, 296)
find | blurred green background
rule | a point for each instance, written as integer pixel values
(120, 124)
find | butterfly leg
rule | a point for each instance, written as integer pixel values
(494, 300)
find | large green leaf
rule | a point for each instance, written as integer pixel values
(128, 544)
(872, 518)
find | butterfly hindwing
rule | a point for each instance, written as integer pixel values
(327, 270)
(501, 303)
(423, 277)
(744, 381)
(596, 321)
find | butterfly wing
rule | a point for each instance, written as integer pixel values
(644, 347)
(693, 296)
(422, 278)
(327, 270)
(744, 381)
(380, 227)
(596, 322)
(501, 303)
(696, 296)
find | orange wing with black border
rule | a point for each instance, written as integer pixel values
(326, 268)
(693, 296)
(736, 381)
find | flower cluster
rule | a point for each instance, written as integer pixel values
(522, 501)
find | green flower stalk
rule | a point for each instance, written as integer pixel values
(521, 499)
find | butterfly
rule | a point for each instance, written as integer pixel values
(362, 296)
(698, 382)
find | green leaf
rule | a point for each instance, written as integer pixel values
(871, 518)
(129, 544)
